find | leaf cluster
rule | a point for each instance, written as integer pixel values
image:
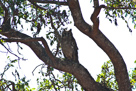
(61, 81)
(19, 84)
(123, 9)
(107, 76)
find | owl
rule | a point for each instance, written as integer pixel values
(69, 46)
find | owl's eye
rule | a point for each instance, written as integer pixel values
(63, 34)
(69, 33)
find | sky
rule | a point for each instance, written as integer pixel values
(90, 55)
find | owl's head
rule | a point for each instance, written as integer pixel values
(66, 33)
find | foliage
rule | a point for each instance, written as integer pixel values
(62, 81)
(107, 76)
(36, 15)
(19, 84)
(49, 80)
(132, 76)
(121, 9)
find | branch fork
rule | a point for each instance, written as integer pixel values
(94, 17)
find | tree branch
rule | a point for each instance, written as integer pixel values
(72, 67)
(94, 18)
(32, 40)
(37, 5)
(119, 8)
(103, 42)
(10, 51)
(6, 11)
(106, 7)
(51, 1)
(96, 3)
(78, 18)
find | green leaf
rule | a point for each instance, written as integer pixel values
(2, 41)
(135, 61)
(13, 61)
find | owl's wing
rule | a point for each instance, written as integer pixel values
(75, 50)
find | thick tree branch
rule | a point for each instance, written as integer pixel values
(96, 3)
(6, 11)
(6, 20)
(78, 18)
(102, 41)
(72, 67)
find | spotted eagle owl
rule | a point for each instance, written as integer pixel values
(69, 46)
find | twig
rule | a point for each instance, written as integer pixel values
(36, 68)
(55, 29)
(37, 5)
(9, 51)
(32, 40)
(118, 7)
(52, 2)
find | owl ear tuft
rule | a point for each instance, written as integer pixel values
(70, 30)
(65, 29)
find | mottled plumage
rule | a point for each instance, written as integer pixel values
(69, 46)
